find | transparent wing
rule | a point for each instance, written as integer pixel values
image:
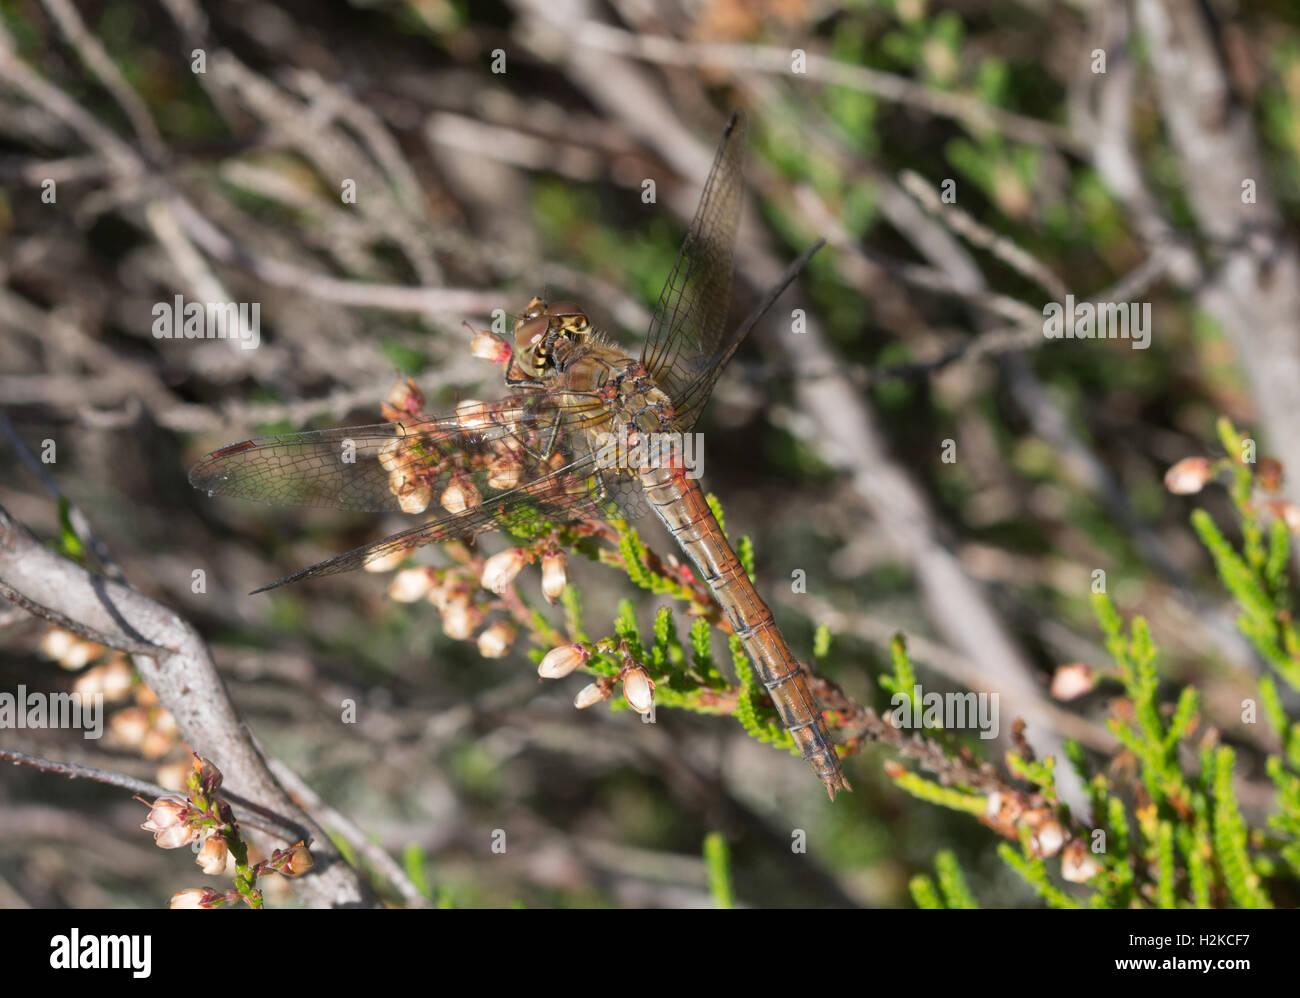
(488, 465)
(686, 340)
(569, 493)
(389, 467)
(692, 398)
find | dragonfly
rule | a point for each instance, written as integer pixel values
(544, 448)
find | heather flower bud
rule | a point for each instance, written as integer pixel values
(156, 743)
(639, 689)
(554, 578)
(489, 346)
(459, 496)
(80, 654)
(1072, 680)
(590, 694)
(404, 400)
(164, 721)
(1004, 810)
(504, 472)
(191, 898)
(297, 861)
(165, 812)
(175, 836)
(212, 855)
(1188, 476)
(111, 680)
(413, 497)
(500, 570)
(559, 662)
(460, 619)
(410, 584)
(1048, 838)
(445, 592)
(57, 643)
(496, 640)
(130, 725)
(1078, 865)
(392, 455)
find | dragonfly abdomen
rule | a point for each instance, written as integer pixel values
(679, 502)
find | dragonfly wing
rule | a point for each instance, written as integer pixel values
(387, 467)
(563, 495)
(688, 344)
(686, 336)
(692, 399)
(488, 465)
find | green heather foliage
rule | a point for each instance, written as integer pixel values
(1173, 836)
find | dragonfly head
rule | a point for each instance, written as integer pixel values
(545, 333)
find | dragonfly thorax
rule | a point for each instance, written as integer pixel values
(544, 333)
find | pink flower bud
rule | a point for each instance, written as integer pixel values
(461, 619)
(298, 861)
(500, 570)
(191, 898)
(80, 654)
(489, 346)
(445, 592)
(1047, 838)
(1078, 865)
(1072, 680)
(130, 725)
(165, 812)
(212, 856)
(496, 640)
(111, 680)
(405, 397)
(413, 497)
(504, 472)
(392, 455)
(460, 495)
(559, 662)
(554, 578)
(156, 743)
(1188, 476)
(590, 694)
(639, 689)
(410, 584)
(57, 643)
(176, 836)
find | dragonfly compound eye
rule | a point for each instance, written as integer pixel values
(530, 342)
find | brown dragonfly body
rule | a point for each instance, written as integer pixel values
(633, 406)
(544, 448)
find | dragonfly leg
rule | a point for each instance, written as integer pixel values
(552, 434)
